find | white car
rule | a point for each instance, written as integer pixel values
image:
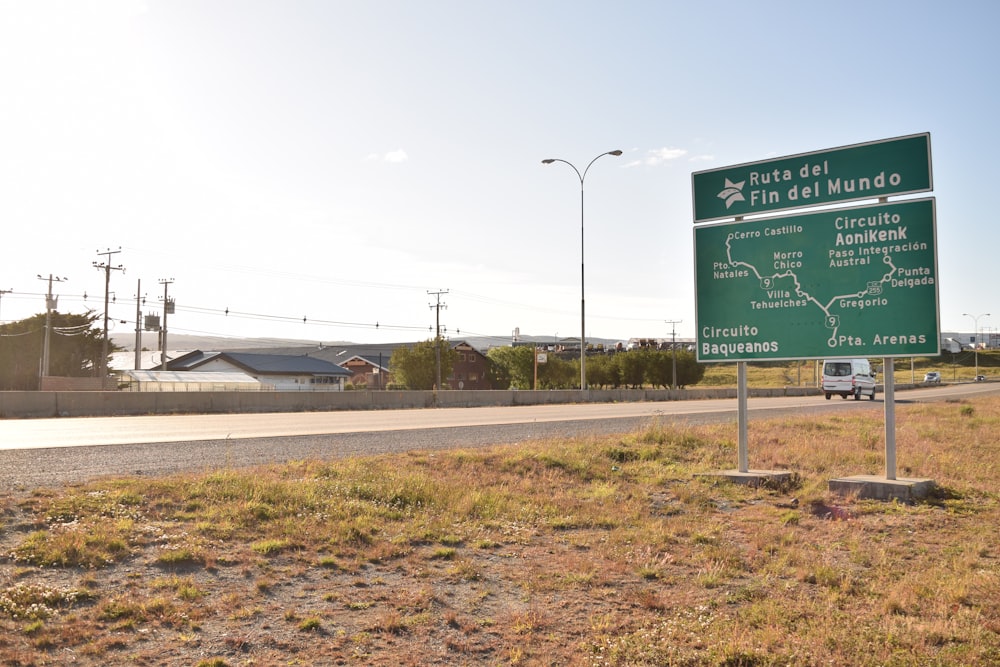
(848, 377)
(932, 378)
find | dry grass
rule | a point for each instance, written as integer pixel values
(603, 551)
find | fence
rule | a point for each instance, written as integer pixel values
(109, 403)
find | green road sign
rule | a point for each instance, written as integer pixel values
(862, 171)
(849, 282)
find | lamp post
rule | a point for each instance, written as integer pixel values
(975, 324)
(583, 317)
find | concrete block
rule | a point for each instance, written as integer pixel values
(879, 488)
(768, 478)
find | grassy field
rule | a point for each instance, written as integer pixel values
(592, 551)
(953, 368)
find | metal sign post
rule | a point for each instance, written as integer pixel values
(851, 282)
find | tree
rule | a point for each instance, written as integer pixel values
(497, 373)
(514, 367)
(660, 369)
(632, 367)
(689, 371)
(75, 349)
(416, 367)
(558, 373)
(602, 371)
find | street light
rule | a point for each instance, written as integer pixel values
(975, 323)
(583, 318)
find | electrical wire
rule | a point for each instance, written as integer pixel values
(23, 333)
(73, 329)
(305, 319)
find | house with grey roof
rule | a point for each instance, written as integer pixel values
(281, 371)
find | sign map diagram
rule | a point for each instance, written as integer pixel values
(849, 282)
(769, 283)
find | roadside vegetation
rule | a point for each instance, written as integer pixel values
(515, 367)
(74, 351)
(592, 551)
(959, 367)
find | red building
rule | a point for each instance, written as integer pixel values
(469, 369)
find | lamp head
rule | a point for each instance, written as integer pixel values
(615, 153)
(548, 161)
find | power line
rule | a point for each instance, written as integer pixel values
(295, 319)
(470, 296)
(330, 322)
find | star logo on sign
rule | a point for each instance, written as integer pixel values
(733, 192)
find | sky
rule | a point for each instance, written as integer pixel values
(319, 170)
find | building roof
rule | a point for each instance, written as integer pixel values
(261, 364)
(284, 364)
(337, 353)
(148, 359)
(376, 354)
(374, 361)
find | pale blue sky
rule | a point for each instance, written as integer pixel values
(338, 160)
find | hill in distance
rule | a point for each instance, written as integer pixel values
(221, 343)
(212, 343)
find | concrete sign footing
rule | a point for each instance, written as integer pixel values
(767, 478)
(879, 488)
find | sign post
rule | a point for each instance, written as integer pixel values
(835, 283)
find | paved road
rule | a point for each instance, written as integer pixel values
(96, 431)
(46, 452)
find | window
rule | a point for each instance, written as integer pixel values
(840, 369)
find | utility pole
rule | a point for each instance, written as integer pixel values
(51, 303)
(437, 336)
(673, 347)
(2, 292)
(167, 308)
(138, 324)
(106, 266)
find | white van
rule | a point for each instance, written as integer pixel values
(848, 377)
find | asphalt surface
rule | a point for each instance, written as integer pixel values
(26, 469)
